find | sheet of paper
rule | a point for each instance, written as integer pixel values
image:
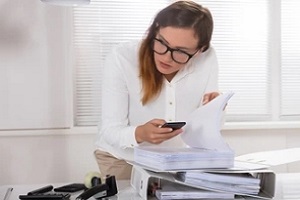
(272, 158)
(177, 191)
(202, 129)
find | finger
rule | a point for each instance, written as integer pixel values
(157, 122)
(214, 95)
(173, 134)
(164, 130)
(205, 99)
(168, 135)
(209, 96)
(161, 137)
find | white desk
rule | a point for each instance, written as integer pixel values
(287, 188)
(124, 191)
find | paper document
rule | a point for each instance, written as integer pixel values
(234, 182)
(167, 159)
(271, 158)
(260, 186)
(177, 191)
(203, 126)
(207, 148)
(233, 178)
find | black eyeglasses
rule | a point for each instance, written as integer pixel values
(177, 55)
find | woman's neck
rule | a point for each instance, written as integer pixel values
(169, 77)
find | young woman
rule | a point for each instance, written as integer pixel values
(164, 77)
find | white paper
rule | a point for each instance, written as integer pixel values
(202, 129)
(231, 178)
(176, 191)
(272, 158)
(166, 159)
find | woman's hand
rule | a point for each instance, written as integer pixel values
(152, 133)
(209, 96)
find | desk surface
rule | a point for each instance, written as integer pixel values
(287, 188)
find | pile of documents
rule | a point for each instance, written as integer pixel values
(168, 159)
(207, 167)
(206, 147)
(204, 184)
(178, 191)
(237, 183)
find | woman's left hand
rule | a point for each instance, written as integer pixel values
(209, 96)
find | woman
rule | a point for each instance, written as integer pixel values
(165, 77)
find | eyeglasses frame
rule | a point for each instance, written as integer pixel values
(172, 50)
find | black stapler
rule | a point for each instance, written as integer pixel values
(102, 190)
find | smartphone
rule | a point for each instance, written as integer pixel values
(173, 125)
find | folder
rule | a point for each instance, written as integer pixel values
(142, 180)
(179, 191)
(257, 164)
(158, 169)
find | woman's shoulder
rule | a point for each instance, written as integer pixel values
(124, 55)
(127, 48)
(210, 51)
(206, 57)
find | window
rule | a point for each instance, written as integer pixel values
(97, 28)
(256, 43)
(290, 60)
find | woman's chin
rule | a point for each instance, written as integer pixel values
(165, 70)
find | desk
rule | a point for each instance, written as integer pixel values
(287, 188)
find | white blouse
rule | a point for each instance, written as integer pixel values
(122, 110)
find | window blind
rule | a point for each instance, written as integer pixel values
(290, 68)
(241, 37)
(241, 40)
(97, 28)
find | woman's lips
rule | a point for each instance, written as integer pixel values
(164, 65)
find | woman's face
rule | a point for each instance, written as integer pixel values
(180, 39)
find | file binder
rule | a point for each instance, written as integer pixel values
(257, 164)
(142, 179)
(202, 131)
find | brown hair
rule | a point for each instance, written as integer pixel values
(181, 14)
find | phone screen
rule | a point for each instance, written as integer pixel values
(173, 125)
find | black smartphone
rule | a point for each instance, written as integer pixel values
(173, 125)
(73, 187)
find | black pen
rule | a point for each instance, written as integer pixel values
(8, 192)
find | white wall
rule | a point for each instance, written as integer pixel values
(67, 157)
(35, 75)
(45, 158)
(41, 148)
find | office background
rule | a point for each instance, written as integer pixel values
(39, 139)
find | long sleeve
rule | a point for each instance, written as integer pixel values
(115, 127)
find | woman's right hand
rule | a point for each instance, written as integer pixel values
(152, 133)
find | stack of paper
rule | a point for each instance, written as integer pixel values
(207, 148)
(238, 183)
(177, 191)
(168, 159)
